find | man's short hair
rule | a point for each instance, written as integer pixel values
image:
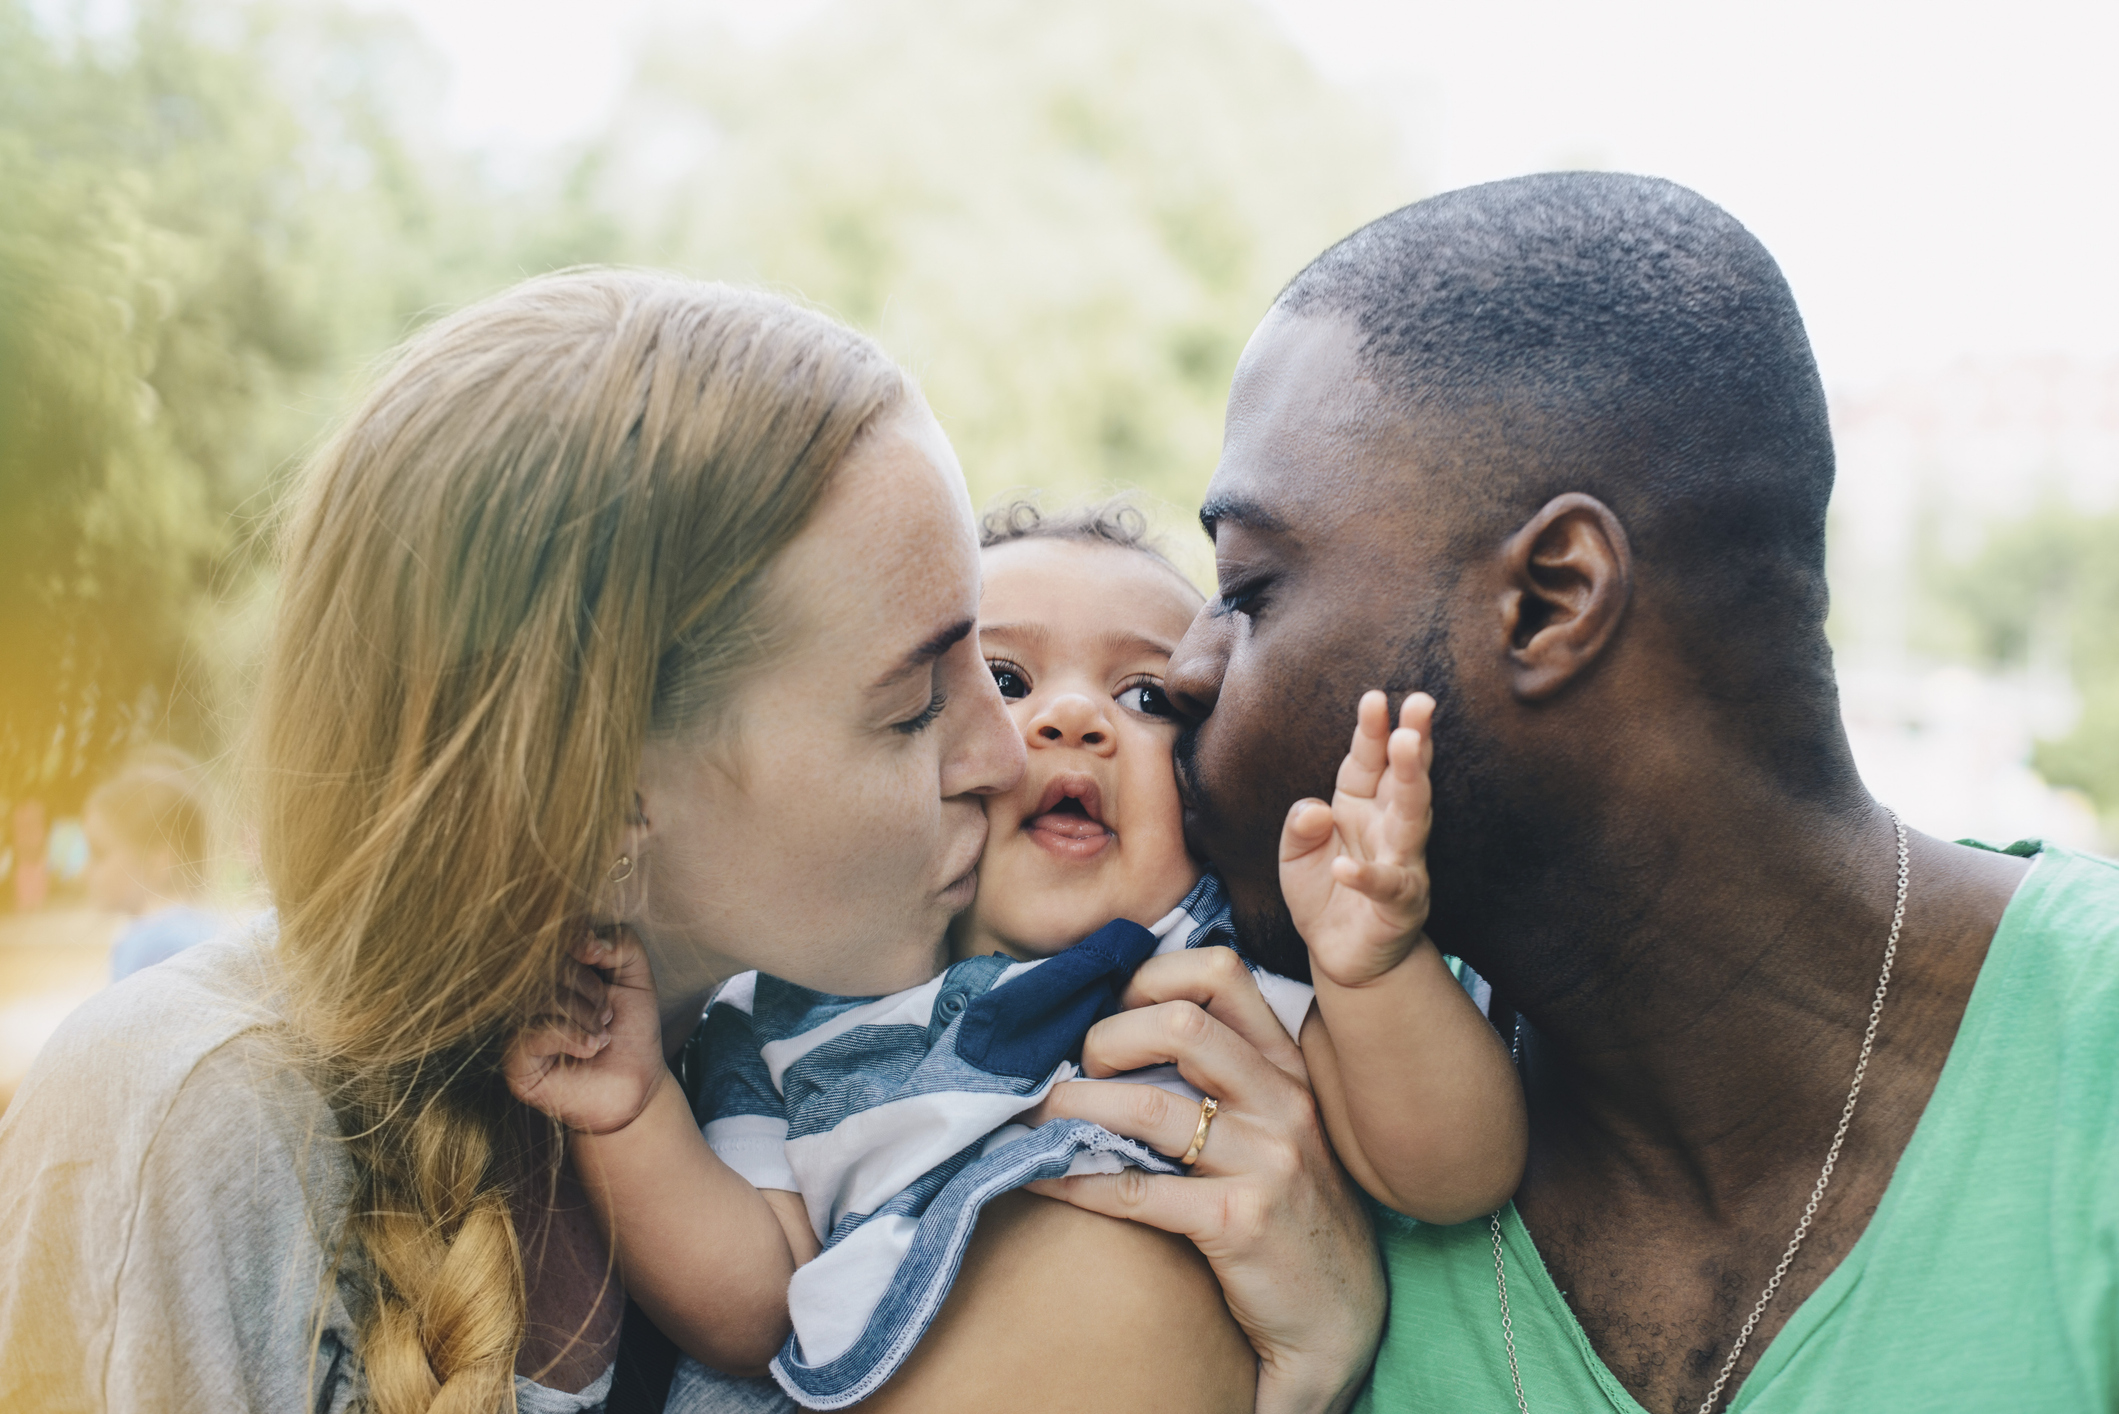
(1621, 336)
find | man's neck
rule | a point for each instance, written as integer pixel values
(1694, 1001)
(1686, 1064)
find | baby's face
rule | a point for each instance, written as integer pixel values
(1078, 636)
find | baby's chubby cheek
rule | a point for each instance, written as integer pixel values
(1023, 908)
(1031, 907)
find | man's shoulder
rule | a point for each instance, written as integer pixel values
(2065, 917)
(2048, 998)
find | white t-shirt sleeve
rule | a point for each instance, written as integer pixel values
(1289, 999)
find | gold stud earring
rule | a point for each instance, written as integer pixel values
(622, 870)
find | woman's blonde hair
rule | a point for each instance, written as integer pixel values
(540, 538)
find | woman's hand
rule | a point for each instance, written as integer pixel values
(595, 1060)
(1266, 1202)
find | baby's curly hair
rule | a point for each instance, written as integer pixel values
(1112, 521)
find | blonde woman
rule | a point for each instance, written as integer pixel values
(621, 602)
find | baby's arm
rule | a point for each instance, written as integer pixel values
(706, 1255)
(1416, 1090)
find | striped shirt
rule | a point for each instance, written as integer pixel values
(892, 1117)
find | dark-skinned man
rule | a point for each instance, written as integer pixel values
(1555, 451)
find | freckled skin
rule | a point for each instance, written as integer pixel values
(818, 837)
(1691, 945)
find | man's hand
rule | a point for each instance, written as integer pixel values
(1354, 872)
(595, 1060)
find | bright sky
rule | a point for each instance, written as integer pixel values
(1939, 179)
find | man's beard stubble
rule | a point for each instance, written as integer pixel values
(1463, 776)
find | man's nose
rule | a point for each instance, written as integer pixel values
(1071, 719)
(1193, 680)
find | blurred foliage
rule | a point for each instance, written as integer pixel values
(1066, 219)
(208, 218)
(215, 214)
(2041, 594)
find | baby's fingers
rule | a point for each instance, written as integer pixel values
(1365, 756)
(564, 1035)
(1399, 886)
(586, 997)
(540, 1049)
(1309, 825)
(1407, 799)
(1417, 712)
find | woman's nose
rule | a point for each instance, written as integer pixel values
(986, 752)
(1071, 719)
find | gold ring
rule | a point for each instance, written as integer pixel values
(1208, 1108)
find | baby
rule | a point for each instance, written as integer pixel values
(871, 1131)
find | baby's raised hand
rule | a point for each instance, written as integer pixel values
(1354, 872)
(594, 1060)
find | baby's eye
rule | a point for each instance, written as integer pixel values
(1148, 699)
(1009, 679)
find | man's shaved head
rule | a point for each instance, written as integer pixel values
(1555, 451)
(1620, 336)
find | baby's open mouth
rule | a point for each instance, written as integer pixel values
(1068, 820)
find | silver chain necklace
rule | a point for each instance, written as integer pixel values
(1817, 1194)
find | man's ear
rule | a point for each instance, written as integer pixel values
(1567, 577)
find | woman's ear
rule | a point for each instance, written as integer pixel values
(624, 891)
(1567, 577)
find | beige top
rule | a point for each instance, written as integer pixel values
(159, 1169)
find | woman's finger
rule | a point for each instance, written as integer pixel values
(1174, 1204)
(1161, 1119)
(1208, 1054)
(1217, 980)
(1164, 1120)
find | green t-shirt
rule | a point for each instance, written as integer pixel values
(1988, 1279)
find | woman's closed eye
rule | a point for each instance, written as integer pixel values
(1146, 696)
(913, 726)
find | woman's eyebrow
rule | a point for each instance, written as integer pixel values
(922, 657)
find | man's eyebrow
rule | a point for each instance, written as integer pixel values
(1240, 510)
(924, 655)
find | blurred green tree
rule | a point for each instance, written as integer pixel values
(1066, 219)
(214, 214)
(210, 217)
(2042, 592)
